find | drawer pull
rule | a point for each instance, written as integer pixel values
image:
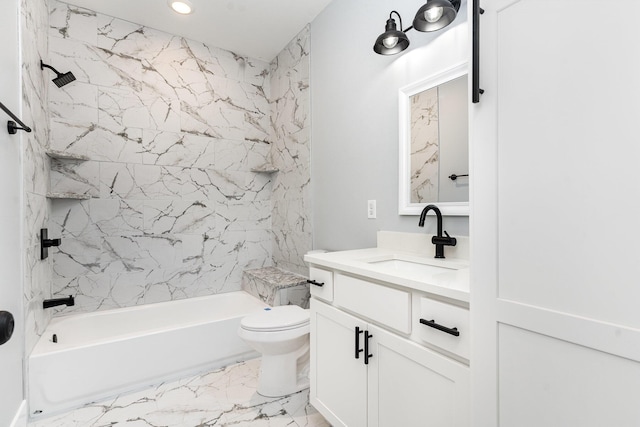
(367, 356)
(313, 282)
(432, 323)
(358, 349)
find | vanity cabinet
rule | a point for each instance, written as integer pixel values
(370, 368)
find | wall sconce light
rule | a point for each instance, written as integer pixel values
(433, 16)
(391, 41)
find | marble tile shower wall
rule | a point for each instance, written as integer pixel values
(171, 128)
(291, 127)
(34, 18)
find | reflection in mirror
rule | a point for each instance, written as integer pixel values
(439, 114)
(434, 144)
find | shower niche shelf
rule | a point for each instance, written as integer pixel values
(68, 196)
(61, 155)
(265, 168)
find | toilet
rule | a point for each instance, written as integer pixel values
(281, 335)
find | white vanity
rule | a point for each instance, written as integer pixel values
(390, 334)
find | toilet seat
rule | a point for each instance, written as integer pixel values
(281, 318)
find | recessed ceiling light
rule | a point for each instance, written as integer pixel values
(182, 7)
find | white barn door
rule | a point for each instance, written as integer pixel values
(555, 215)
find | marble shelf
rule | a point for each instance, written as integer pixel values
(72, 196)
(61, 155)
(266, 168)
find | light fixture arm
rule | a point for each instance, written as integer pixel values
(399, 19)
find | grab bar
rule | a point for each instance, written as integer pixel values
(12, 128)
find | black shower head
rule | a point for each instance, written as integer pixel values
(61, 79)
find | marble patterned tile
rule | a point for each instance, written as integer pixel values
(179, 216)
(240, 155)
(289, 249)
(34, 85)
(75, 103)
(176, 126)
(291, 214)
(94, 65)
(222, 397)
(122, 108)
(239, 215)
(36, 216)
(71, 22)
(117, 217)
(178, 149)
(290, 117)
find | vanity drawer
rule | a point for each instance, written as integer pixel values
(442, 318)
(388, 306)
(322, 286)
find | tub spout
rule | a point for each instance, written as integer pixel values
(48, 303)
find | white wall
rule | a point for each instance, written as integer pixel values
(354, 110)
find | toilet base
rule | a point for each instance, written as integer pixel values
(281, 375)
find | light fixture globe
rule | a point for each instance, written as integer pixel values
(391, 41)
(436, 14)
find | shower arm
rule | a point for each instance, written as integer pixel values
(43, 66)
(12, 128)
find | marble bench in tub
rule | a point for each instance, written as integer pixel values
(276, 287)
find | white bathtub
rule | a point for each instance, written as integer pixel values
(104, 353)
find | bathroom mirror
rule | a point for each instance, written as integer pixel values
(434, 145)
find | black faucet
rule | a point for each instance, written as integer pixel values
(440, 241)
(48, 303)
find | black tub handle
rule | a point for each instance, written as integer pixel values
(432, 323)
(313, 282)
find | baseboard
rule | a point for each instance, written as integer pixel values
(20, 420)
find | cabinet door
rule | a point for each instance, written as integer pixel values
(338, 379)
(411, 386)
(555, 208)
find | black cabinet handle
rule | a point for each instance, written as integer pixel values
(433, 324)
(367, 355)
(313, 282)
(475, 78)
(358, 349)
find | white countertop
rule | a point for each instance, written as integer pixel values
(452, 282)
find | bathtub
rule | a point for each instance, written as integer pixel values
(101, 354)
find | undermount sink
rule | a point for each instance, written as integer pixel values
(398, 265)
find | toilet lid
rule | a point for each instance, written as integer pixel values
(276, 319)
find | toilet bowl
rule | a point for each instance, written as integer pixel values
(281, 335)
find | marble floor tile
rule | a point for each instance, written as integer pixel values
(225, 397)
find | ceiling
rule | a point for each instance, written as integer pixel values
(258, 29)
